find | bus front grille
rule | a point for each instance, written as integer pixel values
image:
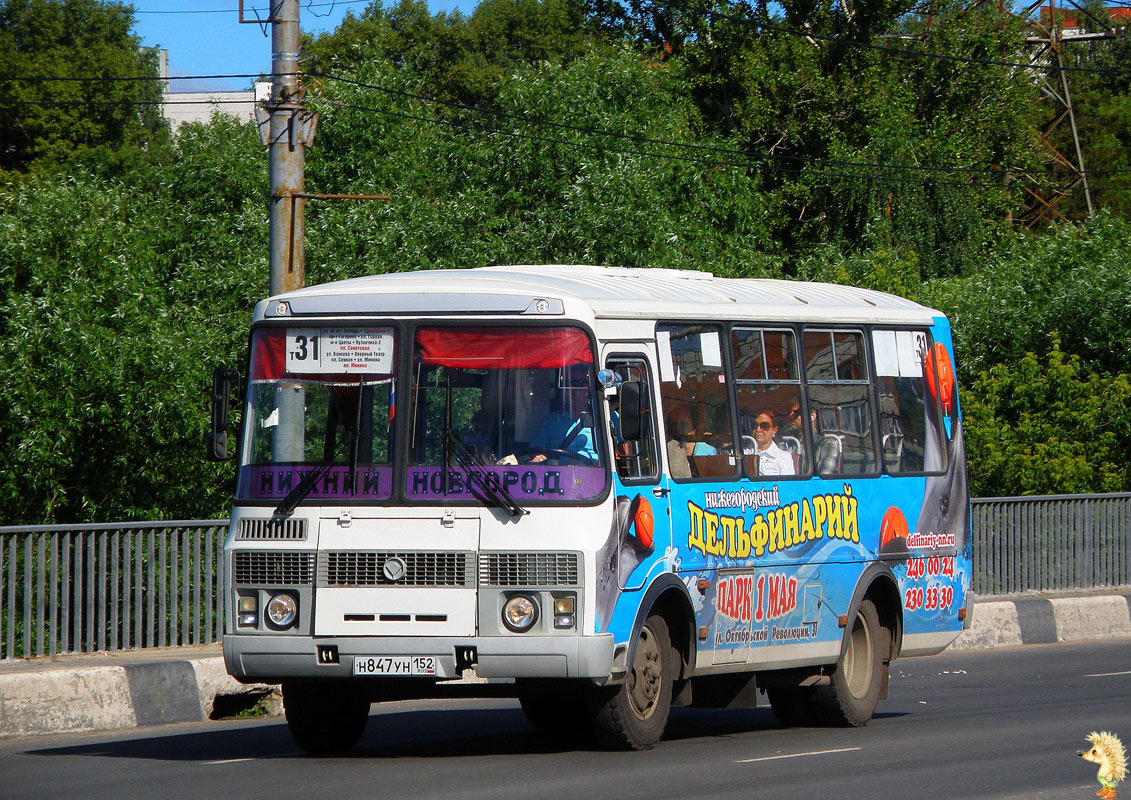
(263, 567)
(292, 530)
(395, 569)
(530, 569)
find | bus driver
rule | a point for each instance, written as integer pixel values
(568, 429)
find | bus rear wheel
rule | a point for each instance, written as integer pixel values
(325, 717)
(633, 716)
(854, 689)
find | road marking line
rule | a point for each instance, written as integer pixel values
(1108, 674)
(225, 761)
(797, 755)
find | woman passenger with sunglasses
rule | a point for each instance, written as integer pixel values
(771, 459)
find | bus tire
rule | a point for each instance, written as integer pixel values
(325, 717)
(792, 705)
(633, 716)
(854, 688)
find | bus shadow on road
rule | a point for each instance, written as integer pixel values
(416, 733)
(390, 734)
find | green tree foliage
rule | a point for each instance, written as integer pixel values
(453, 56)
(1050, 428)
(47, 121)
(879, 268)
(865, 147)
(1073, 280)
(838, 116)
(116, 300)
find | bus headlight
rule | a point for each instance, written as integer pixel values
(520, 612)
(282, 610)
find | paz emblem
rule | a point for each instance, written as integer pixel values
(394, 569)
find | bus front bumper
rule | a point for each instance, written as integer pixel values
(272, 659)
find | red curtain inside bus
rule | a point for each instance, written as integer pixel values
(502, 348)
(268, 355)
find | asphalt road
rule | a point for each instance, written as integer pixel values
(988, 725)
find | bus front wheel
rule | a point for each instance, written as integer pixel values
(633, 716)
(854, 689)
(325, 717)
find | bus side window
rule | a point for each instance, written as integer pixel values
(840, 401)
(635, 460)
(771, 415)
(697, 412)
(910, 420)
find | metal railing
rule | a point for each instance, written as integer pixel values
(1051, 543)
(78, 589)
(116, 586)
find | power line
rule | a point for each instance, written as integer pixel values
(218, 102)
(309, 5)
(138, 78)
(745, 154)
(745, 162)
(901, 51)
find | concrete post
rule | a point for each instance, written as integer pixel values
(287, 154)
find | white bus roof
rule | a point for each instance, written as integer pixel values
(608, 292)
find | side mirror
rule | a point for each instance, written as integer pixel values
(631, 410)
(224, 383)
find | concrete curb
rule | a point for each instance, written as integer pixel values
(69, 694)
(1045, 620)
(60, 698)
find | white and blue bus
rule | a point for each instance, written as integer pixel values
(605, 490)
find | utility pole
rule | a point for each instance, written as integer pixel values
(286, 127)
(1044, 21)
(287, 141)
(1045, 37)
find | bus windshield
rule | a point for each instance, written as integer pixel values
(320, 409)
(501, 415)
(507, 406)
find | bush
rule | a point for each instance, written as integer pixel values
(1050, 428)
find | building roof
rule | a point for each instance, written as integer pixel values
(182, 107)
(1068, 18)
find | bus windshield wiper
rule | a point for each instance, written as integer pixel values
(493, 492)
(305, 486)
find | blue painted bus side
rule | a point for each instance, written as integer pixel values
(770, 564)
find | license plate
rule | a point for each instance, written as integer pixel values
(394, 665)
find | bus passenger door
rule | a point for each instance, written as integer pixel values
(642, 512)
